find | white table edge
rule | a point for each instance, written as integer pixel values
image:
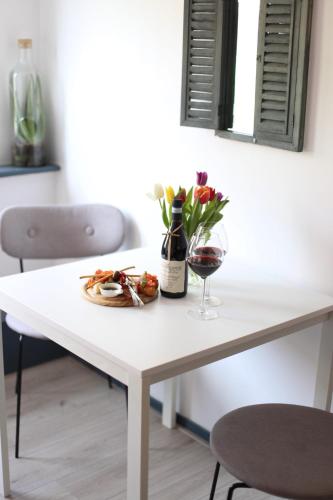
(216, 353)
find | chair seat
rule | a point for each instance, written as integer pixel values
(283, 450)
(22, 328)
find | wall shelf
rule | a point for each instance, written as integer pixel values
(9, 170)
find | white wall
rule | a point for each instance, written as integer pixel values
(114, 73)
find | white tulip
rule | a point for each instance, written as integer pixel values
(157, 194)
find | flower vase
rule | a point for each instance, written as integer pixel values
(194, 280)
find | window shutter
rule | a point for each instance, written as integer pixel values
(201, 63)
(228, 65)
(283, 55)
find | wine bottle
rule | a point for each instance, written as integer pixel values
(173, 282)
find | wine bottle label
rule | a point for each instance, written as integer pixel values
(172, 276)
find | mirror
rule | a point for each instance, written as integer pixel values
(246, 67)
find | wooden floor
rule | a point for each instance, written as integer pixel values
(73, 443)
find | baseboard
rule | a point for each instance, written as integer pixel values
(182, 421)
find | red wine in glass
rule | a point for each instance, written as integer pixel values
(205, 264)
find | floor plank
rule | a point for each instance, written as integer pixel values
(73, 443)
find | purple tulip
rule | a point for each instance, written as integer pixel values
(219, 196)
(202, 178)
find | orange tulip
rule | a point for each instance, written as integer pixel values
(202, 194)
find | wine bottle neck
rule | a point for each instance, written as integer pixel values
(177, 220)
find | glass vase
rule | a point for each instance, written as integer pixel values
(27, 110)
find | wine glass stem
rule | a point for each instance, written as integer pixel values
(207, 294)
(203, 305)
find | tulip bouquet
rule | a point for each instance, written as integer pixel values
(201, 204)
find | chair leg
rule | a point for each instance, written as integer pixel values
(110, 381)
(18, 392)
(235, 487)
(216, 475)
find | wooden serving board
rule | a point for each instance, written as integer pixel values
(120, 301)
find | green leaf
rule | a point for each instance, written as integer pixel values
(215, 219)
(188, 201)
(164, 215)
(222, 204)
(30, 101)
(209, 210)
(27, 129)
(195, 217)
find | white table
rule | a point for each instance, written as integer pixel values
(142, 346)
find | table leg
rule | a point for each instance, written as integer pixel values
(324, 382)
(138, 438)
(169, 405)
(4, 464)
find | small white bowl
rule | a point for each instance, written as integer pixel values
(111, 289)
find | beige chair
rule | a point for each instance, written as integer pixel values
(55, 232)
(279, 449)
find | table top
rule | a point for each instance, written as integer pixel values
(161, 335)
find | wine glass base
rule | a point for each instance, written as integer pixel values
(213, 301)
(203, 315)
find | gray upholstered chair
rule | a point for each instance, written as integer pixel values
(279, 449)
(55, 232)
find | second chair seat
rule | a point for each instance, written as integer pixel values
(283, 450)
(23, 329)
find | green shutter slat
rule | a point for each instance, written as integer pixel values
(202, 52)
(207, 96)
(201, 79)
(278, 47)
(274, 96)
(279, 38)
(278, 9)
(202, 44)
(201, 63)
(201, 34)
(274, 104)
(276, 57)
(281, 19)
(275, 77)
(204, 8)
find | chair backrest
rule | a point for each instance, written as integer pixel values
(57, 232)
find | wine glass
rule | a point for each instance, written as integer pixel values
(219, 228)
(205, 256)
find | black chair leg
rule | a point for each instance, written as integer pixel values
(216, 475)
(18, 392)
(110, 381)
(235, 487)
